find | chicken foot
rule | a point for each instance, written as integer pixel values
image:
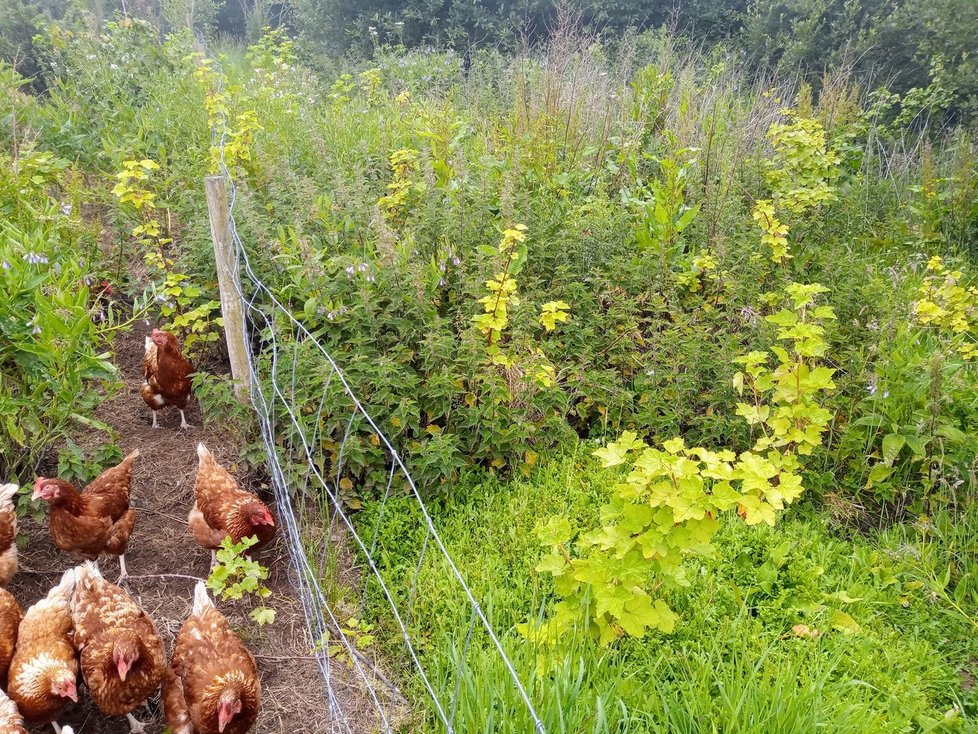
(135, 726)
(183, 421)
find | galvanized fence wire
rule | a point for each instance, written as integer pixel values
(284, 420)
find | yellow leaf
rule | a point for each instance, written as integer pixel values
(804, 631)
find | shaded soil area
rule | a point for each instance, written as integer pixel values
(164, 564)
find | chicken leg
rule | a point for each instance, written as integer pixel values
(154, 420)
(183, 421)
(135, 726)
(122, 567)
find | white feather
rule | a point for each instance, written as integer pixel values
(7, 493)
(202, 451)
(86, 573)
(66, 586)
(201, 599)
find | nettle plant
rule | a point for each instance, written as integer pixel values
(800, 175)
(610, 579)
(180, 300)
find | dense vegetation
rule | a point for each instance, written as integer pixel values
(755, 293)
(894, 45)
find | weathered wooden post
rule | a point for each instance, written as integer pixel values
(227, 280)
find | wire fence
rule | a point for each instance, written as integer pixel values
(299, 392)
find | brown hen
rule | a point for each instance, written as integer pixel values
(44, 669)
(122, 658)
(8, 533)
(166, 375)
(96, 520)
(222, 509)
(211, 686)
(11, 722)
(10, 618)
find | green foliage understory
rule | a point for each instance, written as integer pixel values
(754, 302)
(795, 628)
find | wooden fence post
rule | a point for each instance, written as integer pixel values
(227, 280)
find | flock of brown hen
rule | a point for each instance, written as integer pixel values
(89, 625)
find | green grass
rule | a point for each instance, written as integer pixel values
(891, 643)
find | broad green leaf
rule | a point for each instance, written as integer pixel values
(842, 622)
(553, 531)
(552, 563)
(674, 445)
(892, 444)
(877, 474)
(754, 510)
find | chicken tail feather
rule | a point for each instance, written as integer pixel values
(203, 453)
(202, 601)
(87, 572)
(66, 586)
(7, 492)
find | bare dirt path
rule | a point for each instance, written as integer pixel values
(161, 551)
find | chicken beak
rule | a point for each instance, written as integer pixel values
(123, 667)
(37, 489)
(223, 719)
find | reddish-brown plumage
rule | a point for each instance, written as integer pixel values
(166, 373)
(8, 533)
(223, 509)
(212, 685)
(96, 520)
(122, 658)
(44, 669)
(10, 618)
(11, 721)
